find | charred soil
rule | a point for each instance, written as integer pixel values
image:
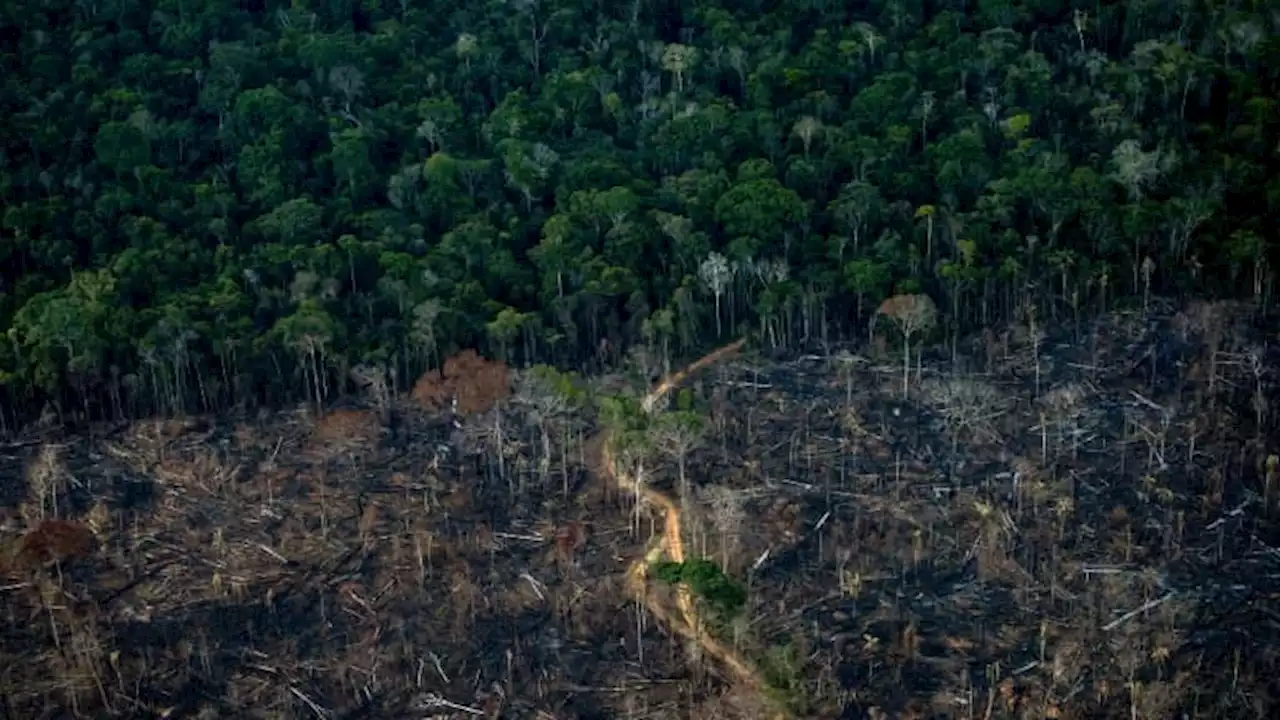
(1079, 524)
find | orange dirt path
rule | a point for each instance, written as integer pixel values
(685, 621)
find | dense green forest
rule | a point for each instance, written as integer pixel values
(206, 203)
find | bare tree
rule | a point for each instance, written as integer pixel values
(374, 381)
(47, 478)
(1066, 410)
(547, 394)
(727, 508)
(913, 314)
(349, 82)
(967, 407)
(807, 128)
(715, 275)
(679, 433)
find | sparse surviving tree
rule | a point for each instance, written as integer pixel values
(47, 478)
(630, 429)
(678, 433)
(549, 394)
(913, 314)
(374, 380)
(845, 361)
(727, 506)
(967, 407)
(715, 274)
(1064, 408)
(470, 385)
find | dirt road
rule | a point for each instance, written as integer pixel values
(684, 620)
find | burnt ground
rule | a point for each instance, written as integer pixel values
(1079, 524)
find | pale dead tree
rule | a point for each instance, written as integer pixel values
(991, 104)
(1035, 338)
(1148, 268)
(349, 82)
(740, 62)
(679, 433)
(715, 274)
(650, 84)
(727, 507)
(927, 103)
(870, 38)
(546, 406)
(1261, 374)
(633, 449)
(537, 33)
(678, 60)
(968, 407)
(807, 128)
(913, 314)
(648, 361)
(374, 381)
(847, 363)
(1152, 423)
(1080, 20)
(1066, 410)
(47, 478)
(1136, 169)
(486, 434)
(1215, 324)
(465, 47)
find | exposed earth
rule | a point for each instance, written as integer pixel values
(1073, 524)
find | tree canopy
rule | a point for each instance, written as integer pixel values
(206, 203)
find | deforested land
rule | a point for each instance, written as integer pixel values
(1071, 522)
(548, 359)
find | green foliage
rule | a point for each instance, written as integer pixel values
(780, 667)
(707, 582)
(333, 183)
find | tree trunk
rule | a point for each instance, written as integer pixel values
(906, 362)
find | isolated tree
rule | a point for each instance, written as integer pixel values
(927, 103)
(550, 394)
(375, 381)
(47, 478)
(715, 275)
(631, 437)
(807, 128)
(309, 331)
(465, 47)
(678, 60)
(346, 433)
(870, 38)
(1134, 168)
(927, 212)
(1066, 410)
(727, 507)
(913, 314)
(968, 408)
(679, 432)
(54, 541)
(467, 383)
(422, 329)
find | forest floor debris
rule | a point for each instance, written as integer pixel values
(1087, 531)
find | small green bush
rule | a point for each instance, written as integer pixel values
(707, 582)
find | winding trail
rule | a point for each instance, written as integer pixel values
(684, 620)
